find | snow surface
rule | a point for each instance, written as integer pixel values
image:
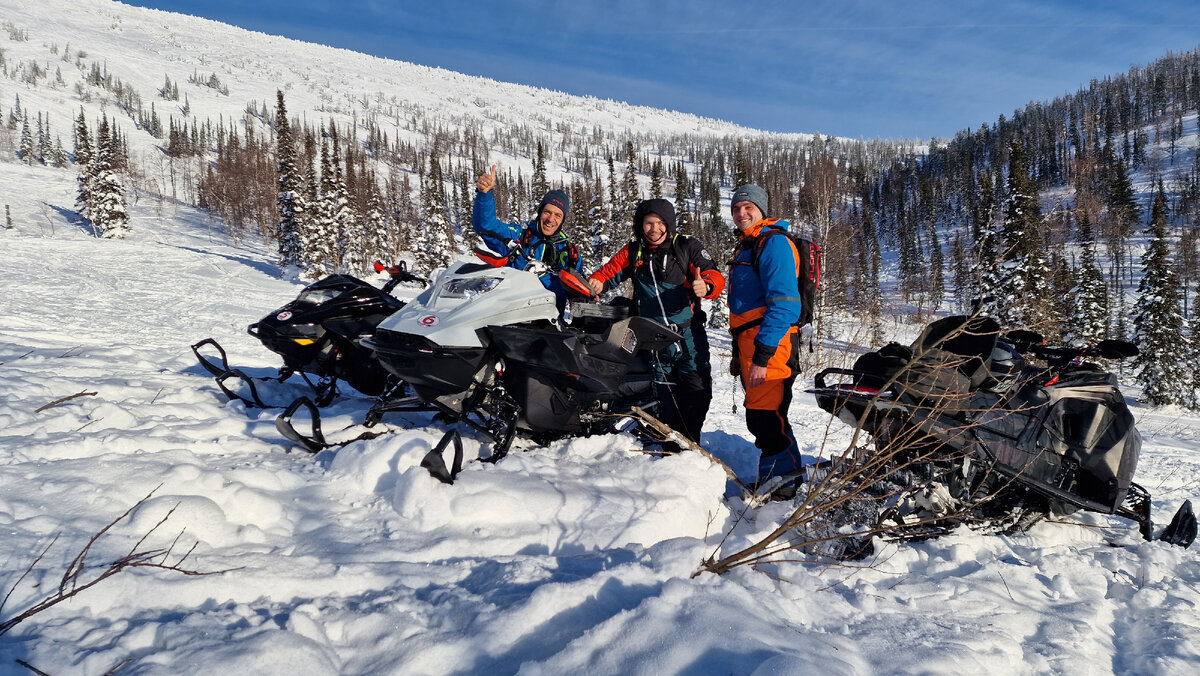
(573, 557)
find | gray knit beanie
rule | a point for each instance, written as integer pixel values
(750, 193)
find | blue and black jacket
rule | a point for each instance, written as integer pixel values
(524, 242)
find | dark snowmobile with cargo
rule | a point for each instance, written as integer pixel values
(319, 335)
(992, 430)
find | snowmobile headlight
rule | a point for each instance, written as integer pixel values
(469, 288)
(317, 296)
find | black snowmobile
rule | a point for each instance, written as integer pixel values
(319, 334)
(968, 431)
(487, 345)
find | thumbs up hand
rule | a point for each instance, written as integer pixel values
(486, 181)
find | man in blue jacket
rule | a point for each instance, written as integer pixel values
(764, 311)
(540, 239)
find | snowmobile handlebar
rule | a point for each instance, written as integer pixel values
(1032, 342)
(399, 273)
(1105, 349)
(576, 283)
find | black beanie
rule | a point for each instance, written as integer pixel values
(662, 208)
(558, 199)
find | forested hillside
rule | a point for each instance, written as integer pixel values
(1078, 217)
(338, 159)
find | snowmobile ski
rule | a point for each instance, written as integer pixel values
(435, 463)
(315, 441)
(319, 334)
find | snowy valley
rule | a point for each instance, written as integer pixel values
(577, 556)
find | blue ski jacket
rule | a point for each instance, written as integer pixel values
(524, 242)
(769, 298)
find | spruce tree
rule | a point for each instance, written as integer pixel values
(288, 232)
(683, 194)
(45, 148)
(540, 185)
(106, 207)
(1158, 323)
(26, 150)
(341, 214)
(438, 247)
(656, 178)
(83, 159)
(466, 190)
(319, 243)
(1021, 296)
(630, 195)
(599, 227)
(1089, 323)
(578, 219)
(377, 245)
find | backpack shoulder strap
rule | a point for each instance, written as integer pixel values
(760, 240)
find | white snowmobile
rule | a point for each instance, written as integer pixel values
(486, 345)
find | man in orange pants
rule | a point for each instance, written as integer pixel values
(764, 310)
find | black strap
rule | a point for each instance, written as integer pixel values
(735, 332)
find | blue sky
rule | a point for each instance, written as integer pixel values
(892, 69)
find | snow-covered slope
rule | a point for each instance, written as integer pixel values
(143, 48)
(569, 558)
(575, 557)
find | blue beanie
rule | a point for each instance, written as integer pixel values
(556, 198)
(750, 193)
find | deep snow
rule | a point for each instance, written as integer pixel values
(567, 558)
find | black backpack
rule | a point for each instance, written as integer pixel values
(810, 266)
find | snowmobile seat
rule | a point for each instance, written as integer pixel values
(951, 359)
(874, 369)
(627, 336)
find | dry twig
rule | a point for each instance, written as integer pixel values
(63, 400)
(73, 579)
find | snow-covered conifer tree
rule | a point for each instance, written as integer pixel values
(437, 233)
(319, 241)
(106, 206)
(1020, 285)
(83, 159)
(1158, 323)
(26, 149)
(375, 224)
(539, 185)
(1089, 324)
(288, 233)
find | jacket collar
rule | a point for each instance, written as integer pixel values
(757, 228)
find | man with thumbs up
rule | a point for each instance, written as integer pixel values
(540, 239)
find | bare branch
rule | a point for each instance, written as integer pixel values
(64, 400)
(73, 583)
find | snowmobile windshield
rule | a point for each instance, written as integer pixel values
(317, 296)
(469, 288)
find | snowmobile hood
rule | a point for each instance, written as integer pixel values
(468, 297)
